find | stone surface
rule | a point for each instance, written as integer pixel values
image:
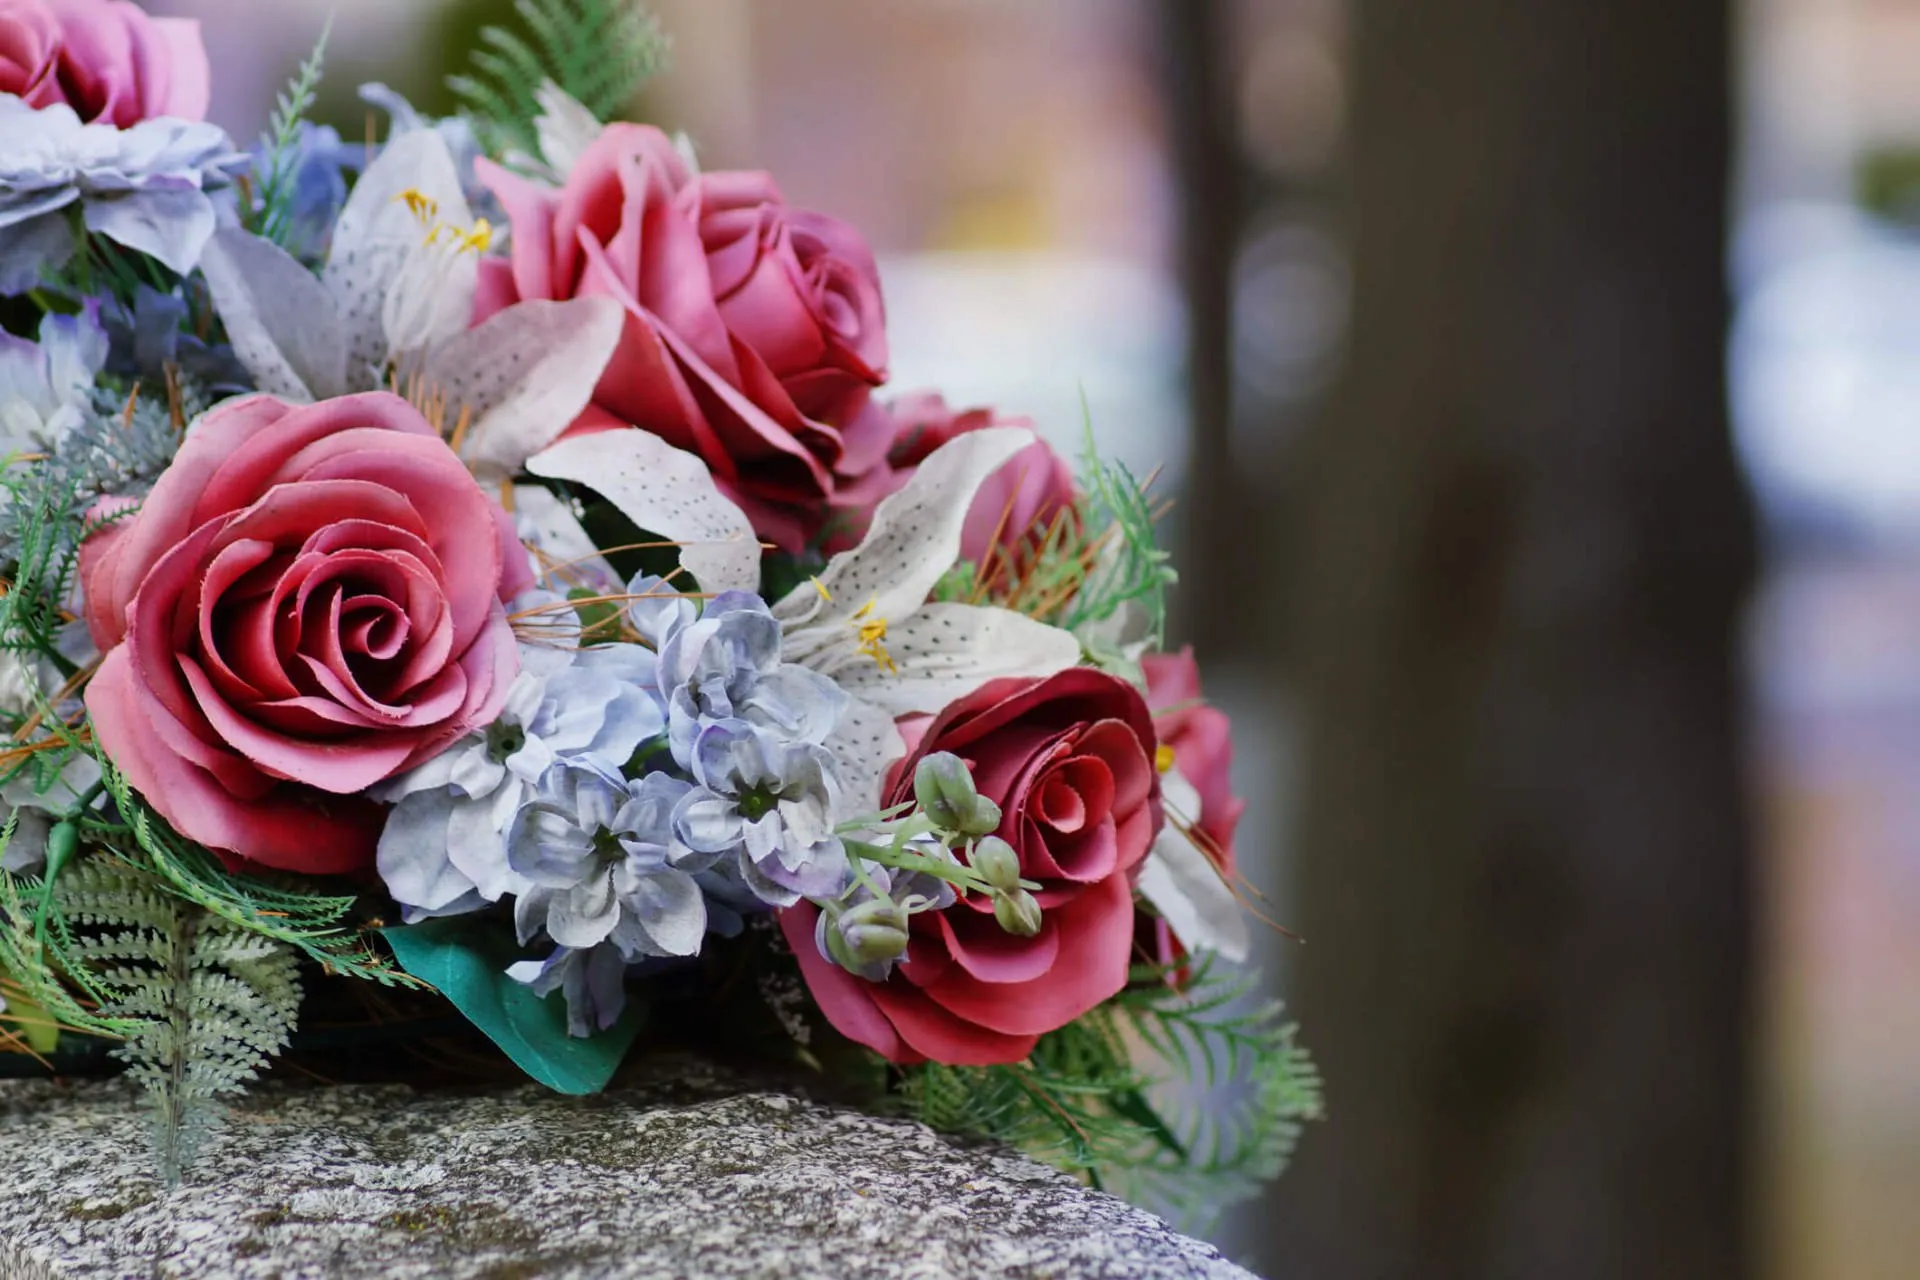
(681, 1177)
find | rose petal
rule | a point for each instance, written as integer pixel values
(982, 948)
(1096, 945)
(272, 829)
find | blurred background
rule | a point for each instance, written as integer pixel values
(1540, 385)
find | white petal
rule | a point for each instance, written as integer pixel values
(914, 538)
(283, 323)
(430, 301)
(524, 375)
(946, 651)
(1186, 889)
(864, 747)
(171, 224)
(377, 232)
(666, 491)
(545, 523)
(564, 127)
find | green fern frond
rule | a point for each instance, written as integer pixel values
(599, 52)
(33, 962)
(285, 912)
(1261, 1087)
(1081, 1102)
(204, 1002)
(1132, 569)
(273, 210)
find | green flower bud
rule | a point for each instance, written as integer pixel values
(944, 787)
(984, 819)
(997, 863)
(1018, 912)
(872, 932)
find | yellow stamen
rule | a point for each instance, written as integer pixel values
(1162, 758)
(873, 636)
(479, 238)
(420, 204)
(822, 589)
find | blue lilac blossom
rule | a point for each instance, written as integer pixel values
(593, 983)
(45, 385)
(602, 863)
(750, 730)
(444, 848)
(151, 336)
(314, 171)
(771, 804)
(144, 187)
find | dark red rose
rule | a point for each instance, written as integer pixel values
(1069, 760)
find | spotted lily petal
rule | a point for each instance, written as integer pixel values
(942, 652)
(284, 324)
(522, 376)
(913, 540)
(667, 491)
(864, 746)
(565, 555)
(385, 224)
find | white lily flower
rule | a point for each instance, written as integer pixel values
(665, 491)
(402, 251)
(1185, 885)
(393, 302)
(866, 622)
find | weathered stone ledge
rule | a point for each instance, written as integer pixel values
(677, 1178)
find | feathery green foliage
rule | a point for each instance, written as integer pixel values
(204, 1002)
(1097, 570)
(1082, 1103)
(1262, 1086)
(28, 958)
(282, 911)
(122, 443)
(598, 51)
(1131, 568)
(272, 213)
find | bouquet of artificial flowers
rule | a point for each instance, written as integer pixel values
(485, 565)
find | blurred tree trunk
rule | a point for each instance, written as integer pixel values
(1525, 877)
(1216, 515)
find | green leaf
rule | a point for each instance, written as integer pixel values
(469, 967)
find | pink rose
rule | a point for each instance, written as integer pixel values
(1017, 505)
(1069, 759)
(308, 602)
(106, 59)
(1196, 739)
(755, 332)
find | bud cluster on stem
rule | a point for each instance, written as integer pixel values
(919, 857)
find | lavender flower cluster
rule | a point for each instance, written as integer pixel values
(632, 797)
